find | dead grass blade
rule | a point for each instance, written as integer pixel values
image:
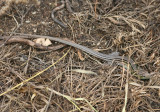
(27, 80)
(72, 100)
(84, 71)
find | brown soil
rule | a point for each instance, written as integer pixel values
(130, 27)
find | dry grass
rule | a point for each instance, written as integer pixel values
(6, 4)
(128, 26)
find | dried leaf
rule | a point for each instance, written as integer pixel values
(84, 71)
(43, 41)
(33, 96)
(114, 21)
(142, 24)
(80, 55)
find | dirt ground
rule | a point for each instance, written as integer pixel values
(81, 82)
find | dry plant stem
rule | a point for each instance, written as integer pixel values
(31, 43)
(27, 64)
(116, 6)
(95, 9)
(50, 97)
(16, 73)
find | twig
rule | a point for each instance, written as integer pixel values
(31, 43)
